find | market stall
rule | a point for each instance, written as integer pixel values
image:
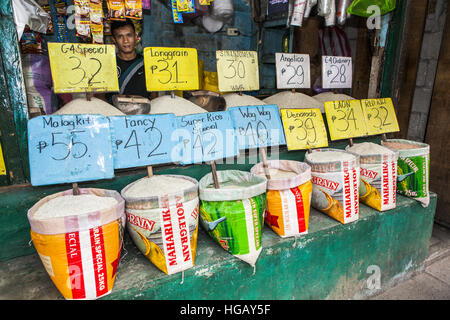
(269, 153)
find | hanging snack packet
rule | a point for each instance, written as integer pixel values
(177, 16)
(182, 5)
(233, 214)
(116, 10)
(133, 9)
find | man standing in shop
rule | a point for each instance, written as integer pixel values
(130, 64)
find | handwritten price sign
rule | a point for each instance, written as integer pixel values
(205, 137)
(293, 70)
(69, 148)
(345, 119)
(168, 69)
(142, 140)
(336, 72)
(257, 126)
(79, 67)
(237, 70)
(380, 116)
(304, 129)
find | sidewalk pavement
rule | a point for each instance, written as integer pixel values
(434, 282)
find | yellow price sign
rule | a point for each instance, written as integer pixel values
(168, 69)
(2, 163)
(380, 116)
(345, 119)
(78, 67)
(237, 70)
(304, 128)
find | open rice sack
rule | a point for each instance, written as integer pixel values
(79, 239)
(233, 214)
(413, 168)
(288, 196)
(335, 179)
(162, 220)
(378, 175)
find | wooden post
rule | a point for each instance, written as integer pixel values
(172, 94)
(214, 174)
(75, 189)
(383, 137)
(265, 163)
(351, 142)
(149, 171)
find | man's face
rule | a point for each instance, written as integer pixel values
(125, 39)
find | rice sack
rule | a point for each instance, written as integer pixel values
(335, 179)
(378, 175)
(288, 196)
(413, 168)
(79, 239)
(233, 214)
(162, 220)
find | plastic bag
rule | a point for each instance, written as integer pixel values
(361, 7)
(28, 12)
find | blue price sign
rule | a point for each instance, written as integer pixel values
(69, 148)
(257, 126)
(142, 140)
(205, 137)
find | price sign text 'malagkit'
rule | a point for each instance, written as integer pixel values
(69, 148)
(80, 67)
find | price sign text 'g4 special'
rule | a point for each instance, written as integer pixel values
(142, 140)
(168, 69)
(293, 70)
(257, 126)
(205, 137)
(80, 67)
(237, 70)
(304, 129)
(380, 116)
(345, 119)
(336, 72)
(69, 148)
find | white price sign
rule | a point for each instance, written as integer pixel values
(293, 70)
(336, 72)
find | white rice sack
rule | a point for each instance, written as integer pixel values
(157, 185)
(95, 106)
(236, 100)
(177, 105)
(330, 96)
(293, 100)
(73, 205)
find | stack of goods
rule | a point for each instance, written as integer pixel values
(335, 178)
(413, 168)
(241, 100)
(162, 215)
(94, 106)
(176, 105)
(294, 100)
(79, 239)
(288, 196)
(378, 174)
(233, 214)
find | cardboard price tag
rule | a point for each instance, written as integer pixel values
(237, 70)
(69, 148)
(142, 140)
(168, 69)
(77, 67)
(293, 70)
(380, 116)
(304, 129)
(205, 137)
(345, 119)
(336, 72)
(257, 126)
